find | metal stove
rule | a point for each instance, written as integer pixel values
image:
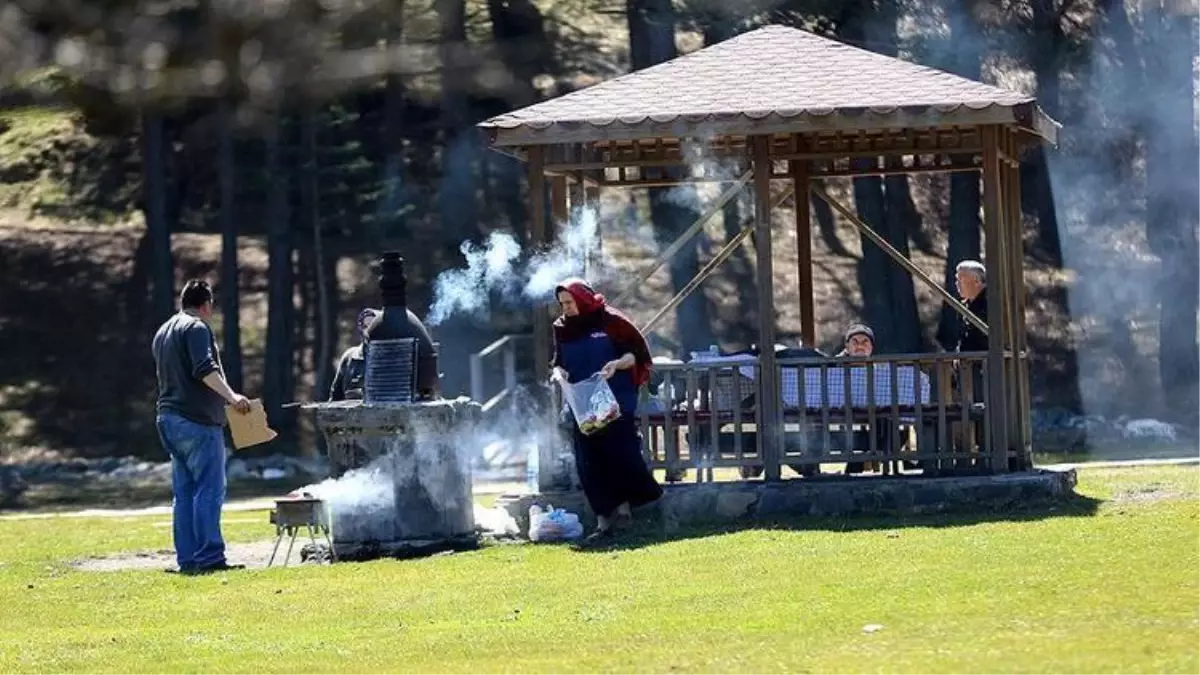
(293, 513)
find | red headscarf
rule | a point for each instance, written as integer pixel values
(594, 315)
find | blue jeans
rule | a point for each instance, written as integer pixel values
(198, 480)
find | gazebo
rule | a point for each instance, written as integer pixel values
(783, 104)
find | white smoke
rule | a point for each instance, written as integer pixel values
(491, 267)
(713, 172)
(362, 504)
(578, 246)
(494, 273)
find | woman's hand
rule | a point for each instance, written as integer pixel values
(609, 369)
(624, 363)
(558, 375)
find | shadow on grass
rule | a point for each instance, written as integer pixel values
(81, 493)
(652, 531)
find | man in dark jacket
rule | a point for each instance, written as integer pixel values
(192, 395)
(970, 278)
(351, 373)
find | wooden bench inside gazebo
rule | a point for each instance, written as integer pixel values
(782, 105)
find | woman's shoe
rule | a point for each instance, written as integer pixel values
(599, 535)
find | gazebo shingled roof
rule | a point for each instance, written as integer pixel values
(774, 79)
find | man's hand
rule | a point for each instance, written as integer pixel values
(240, 403)
(558, 375)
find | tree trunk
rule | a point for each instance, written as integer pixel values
(457, 194)
(739, 330)
(325, 323)
(875, 275)
(1172, 213)
(518, 30)
(519, 33)
(873, 270)
(304, 297)
(964, 236)
(154, 196)
(393, 128)
(1047, 44)
(900, 218)
(137, 289)
(900, 214)
(828, 229)
(231, 334)
(652, 41)
(278, 385)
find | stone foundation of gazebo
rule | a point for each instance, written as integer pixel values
(783, 110)
(756, 501)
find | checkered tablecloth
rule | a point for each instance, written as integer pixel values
(817, 394)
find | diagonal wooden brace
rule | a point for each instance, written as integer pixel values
(819, 191)
(706, 271)
(671, 250)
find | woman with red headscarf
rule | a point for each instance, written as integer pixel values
(591, 338)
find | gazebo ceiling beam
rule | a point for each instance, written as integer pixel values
(589, 179)
(667, 182)
(829, 168)
(565, 167)
(674, 152)
(894, 152)
(895, 171)
(919, 164)
(667, 161)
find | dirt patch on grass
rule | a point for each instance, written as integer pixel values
(254, 555)
(1143, 494)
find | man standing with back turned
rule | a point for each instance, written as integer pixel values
(192, 394)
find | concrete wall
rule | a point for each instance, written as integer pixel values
(686, 504)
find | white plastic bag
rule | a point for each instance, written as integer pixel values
(592, 403)
(551, 524)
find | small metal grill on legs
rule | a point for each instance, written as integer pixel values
(290, 515)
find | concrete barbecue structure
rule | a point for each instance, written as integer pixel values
(411, 493)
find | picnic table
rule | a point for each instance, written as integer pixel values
(851, 409)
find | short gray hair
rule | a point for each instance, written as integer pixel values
(975, 267)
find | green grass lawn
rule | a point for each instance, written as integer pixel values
(1106, 584)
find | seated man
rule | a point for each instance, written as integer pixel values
(859, 340)
(352, 368)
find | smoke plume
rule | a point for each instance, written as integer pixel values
(495, 273)
(362, 503)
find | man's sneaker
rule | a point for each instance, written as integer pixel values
(219, 567)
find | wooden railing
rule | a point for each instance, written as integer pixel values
(890, 413)
(506, 348)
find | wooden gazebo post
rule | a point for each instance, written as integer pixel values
(1023, 427)
(539, 235)
(769, 424)
(799, 172)
(996, 250)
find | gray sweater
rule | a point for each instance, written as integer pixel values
(185, 351)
